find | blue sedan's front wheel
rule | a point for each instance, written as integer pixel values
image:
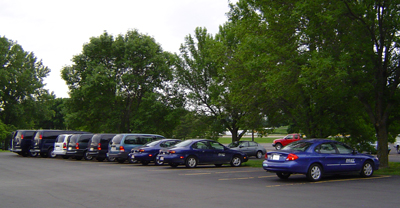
(314, 172)
(236, 161)
(367, 169)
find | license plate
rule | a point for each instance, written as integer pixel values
(161, 159)
(113, 149)
(275, 157)
(57, 148)
(133, 156)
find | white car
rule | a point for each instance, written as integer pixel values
(60, 146)
(396, 144)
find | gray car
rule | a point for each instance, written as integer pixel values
(248, 147)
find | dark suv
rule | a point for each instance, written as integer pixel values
(77, 146)
(21, 141)
(98, 146)
(43, 141)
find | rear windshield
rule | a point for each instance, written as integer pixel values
(234, 144)
(74, 138)
(184, 143)
(84, 138)
(151, 144)
(117, 139)
(60, 138)
(96, 138)
(297, 146)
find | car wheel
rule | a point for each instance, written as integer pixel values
(51, 153)
(259, 155)
(33, 154)
(283, 175)
(174, 165)
(132, 161)
(367, 169)
(120, 160)
(191, 162)
(158, 162)
(314, 172)
(111, 159)
(236, 161)
(78, 157)
(65, 156)
(100, 159)
(278, 146)
(87, 156)
(218, 165)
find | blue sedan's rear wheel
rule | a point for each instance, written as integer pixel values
(191, 162)
(367, 169)
(283, 175)
(314, 172)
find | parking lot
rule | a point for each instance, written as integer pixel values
(42, 182)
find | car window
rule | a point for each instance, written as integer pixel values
(183, 143)
(326, 148)
(297, 146)
(244, 144)
(60, 138)
(217, 146)
(117, 139)
(200, 145)
(253, 144)
(74, 138)
(344, 149)
(234, 144)
(296, 136)
(168, 143)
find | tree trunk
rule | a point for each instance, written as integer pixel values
(382, 145)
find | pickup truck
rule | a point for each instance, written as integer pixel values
(279, 143)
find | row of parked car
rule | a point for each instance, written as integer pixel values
(142, 148)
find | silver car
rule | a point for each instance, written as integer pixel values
(249, 147)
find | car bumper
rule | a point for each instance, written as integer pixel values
(120, 155)
(60, 152)
(284, 167)
(172, 158)
(35, 150)
(142, 157)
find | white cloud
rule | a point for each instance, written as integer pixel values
(56, 30)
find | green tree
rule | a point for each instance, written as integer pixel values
(22, 97)
(110, 78)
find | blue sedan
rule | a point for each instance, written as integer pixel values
(148, 152)
(192, 152)
(317, 157)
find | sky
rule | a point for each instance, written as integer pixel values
(56, 30)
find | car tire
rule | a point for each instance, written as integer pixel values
(191, 162)
(158, 162)
(111, 159)
(33, 154)
(236, 161)
(174, 165)
(278, 146)
(51, 153)
(65, 156)
(259, 155)
(78, 157)
(218, 165)
(367, 169)
(314, 172)
(283, 175)
(87, 156)
(120, 160)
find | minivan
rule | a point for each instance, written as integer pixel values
(21, 141)
(121, 144)
(77, 146)
(43, 141)
(98, 146)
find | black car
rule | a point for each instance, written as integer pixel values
(43, 141)
(98, 146)
(21, 141)
(77, 146)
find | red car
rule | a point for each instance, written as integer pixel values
(279, 143)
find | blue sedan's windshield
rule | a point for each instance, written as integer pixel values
(297, 146)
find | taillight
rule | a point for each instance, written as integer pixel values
(77, 146)
(40, 136)
(291, 157)
(64, 145)
(266, 156)
(150, 155)
(99, 146)
(121, 149)
(22, 136)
